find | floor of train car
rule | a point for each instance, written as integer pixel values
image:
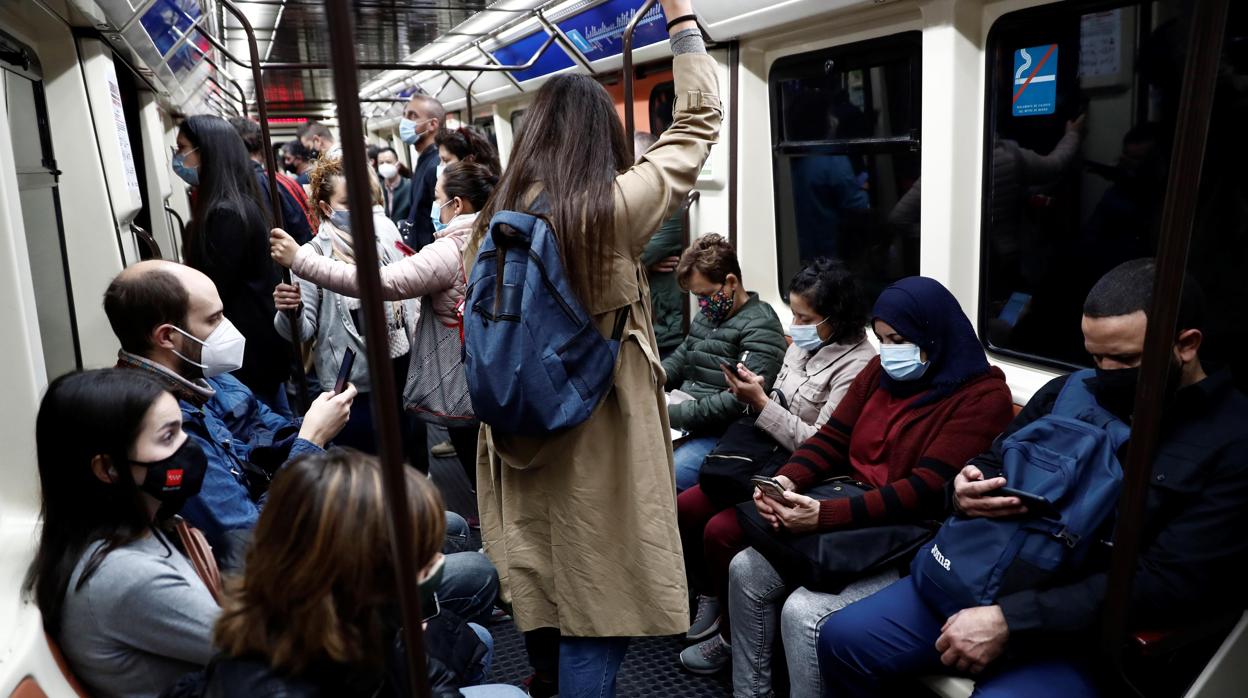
(651, 667)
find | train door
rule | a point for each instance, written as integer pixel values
(38, 212)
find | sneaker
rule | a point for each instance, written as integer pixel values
(707, 657)
(541, 688)
(443, 450)
(705, 621)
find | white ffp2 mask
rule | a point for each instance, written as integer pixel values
(222, 351)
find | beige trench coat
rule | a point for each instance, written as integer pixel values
(582, 526)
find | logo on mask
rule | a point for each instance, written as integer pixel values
(173, 478)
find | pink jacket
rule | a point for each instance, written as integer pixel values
(436, 271)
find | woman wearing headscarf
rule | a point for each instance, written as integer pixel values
(910, 420)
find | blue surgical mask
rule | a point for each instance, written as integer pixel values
(441, 169)
(190, 175)
(407, 131)
(435, 212)
(341, 220)
(901, 361)
(806, 336)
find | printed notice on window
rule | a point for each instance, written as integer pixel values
(1100, 44)
(123, 138)
(1035, 81)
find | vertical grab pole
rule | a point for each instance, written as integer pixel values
(1177, 218)
(380, 367)
(275, 201)
(630, 121)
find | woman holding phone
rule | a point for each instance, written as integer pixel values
(829, 350)
(333, 320)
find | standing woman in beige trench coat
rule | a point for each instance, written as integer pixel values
(582, 525)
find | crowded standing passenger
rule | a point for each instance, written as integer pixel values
(116, 590)
(829, 350)
(733, 327)
(297, 161)
(226, 240)
(581, 524)
(1033, 639)
(435, 273)
(466, 144)
(290, 194)
(912, 417)
(423, 119)
(316, 613)
(319, 140)
(395, 184)
(170, 322)
(660, 258)
(335, 321)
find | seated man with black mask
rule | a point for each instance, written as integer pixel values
(170, 322)
(1032, 638)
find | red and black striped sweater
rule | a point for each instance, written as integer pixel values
(922, 448)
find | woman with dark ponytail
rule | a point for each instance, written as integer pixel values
(467, 144)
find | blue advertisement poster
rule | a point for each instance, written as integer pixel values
(598, 32)
(1035, 81)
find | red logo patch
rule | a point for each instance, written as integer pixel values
(173, 478)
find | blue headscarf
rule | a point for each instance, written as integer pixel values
(926, 313)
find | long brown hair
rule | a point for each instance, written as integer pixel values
(320, 573)
(573, 147)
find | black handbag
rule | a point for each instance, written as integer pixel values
(741, 453)
(831, 560)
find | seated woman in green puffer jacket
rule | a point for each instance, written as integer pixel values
(732, 326)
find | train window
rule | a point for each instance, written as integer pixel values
(39, 199)
(662, 98)
(485, 125)
(845, 139)
(1080, 118)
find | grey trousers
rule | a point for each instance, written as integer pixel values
(758, 601)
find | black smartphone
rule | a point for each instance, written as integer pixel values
(770, 488)
(1036, 505)
(731, 368)
(344, 372)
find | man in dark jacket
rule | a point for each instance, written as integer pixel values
(423, 119)
(1194, 537)
(294, 204)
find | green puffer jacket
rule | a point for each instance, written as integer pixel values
(665, 293)
(694, 366)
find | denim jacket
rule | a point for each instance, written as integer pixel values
(233, 428)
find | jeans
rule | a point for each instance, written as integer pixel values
(456, 540)
(892, 635)
(588, 665)
(469, 586)
(688, 458)
(755, 594)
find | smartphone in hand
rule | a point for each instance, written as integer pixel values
(771, 488)
(344, 372)
(1036, 504)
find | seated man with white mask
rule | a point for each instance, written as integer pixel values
(171, 325)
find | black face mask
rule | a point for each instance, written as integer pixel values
(175, 479)
(1115, 388)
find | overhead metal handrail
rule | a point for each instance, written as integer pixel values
(468, 96)
(573, 51)
(630, 119)
(275, 200)
(1204, 53)
(380, 367)
(373, 65)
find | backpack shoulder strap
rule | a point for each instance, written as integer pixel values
(1077, 401)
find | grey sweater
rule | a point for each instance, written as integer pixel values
(142, 620)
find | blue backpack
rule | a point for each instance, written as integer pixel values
(535, 360)
(1069, 457)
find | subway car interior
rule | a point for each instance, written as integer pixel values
(1052, 141)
